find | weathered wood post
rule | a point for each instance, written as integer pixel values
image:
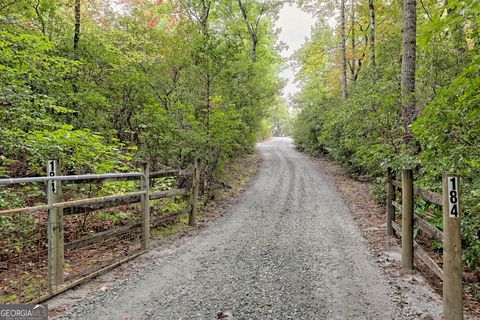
(407, 219)
(390, 195)
(145, 206)
(192, 218)
(452, 249)
(55, 229)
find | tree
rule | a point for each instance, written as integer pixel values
(343, 45)
(352, 62)
(371, 38)
(409, 109)
(76, 34)
(76, 40)
(252, 21)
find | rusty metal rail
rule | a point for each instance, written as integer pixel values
(78, 178)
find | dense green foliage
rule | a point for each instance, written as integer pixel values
(166, 81)
(162, 81)
(364, 131)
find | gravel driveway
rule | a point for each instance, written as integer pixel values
(287, 250)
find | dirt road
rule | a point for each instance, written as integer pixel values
(288, 250)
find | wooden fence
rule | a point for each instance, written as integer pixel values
(451, 273)
(59, 209)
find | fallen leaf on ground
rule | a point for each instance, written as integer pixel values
(224, 314)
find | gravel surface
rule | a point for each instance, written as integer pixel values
(288, 250)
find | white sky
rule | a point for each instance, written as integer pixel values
(295, 26)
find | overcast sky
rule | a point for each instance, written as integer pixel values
(295, 25)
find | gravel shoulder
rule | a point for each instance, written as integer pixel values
(289, 249)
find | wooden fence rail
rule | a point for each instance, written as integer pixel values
(57, 209)
(451, 274)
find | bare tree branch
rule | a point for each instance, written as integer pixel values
(8, 4)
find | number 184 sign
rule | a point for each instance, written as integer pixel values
(453, 197)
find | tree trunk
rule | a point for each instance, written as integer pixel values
(344, 49)
(371, 38)
(352, 26)
(36, 7)
(251, 27)
(76, 39)
(76, 36)
(207, 102)
(409, 112)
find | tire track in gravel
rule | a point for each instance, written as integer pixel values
(287, 250)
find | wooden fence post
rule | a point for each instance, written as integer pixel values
(194, 194)
(55, 229)
(452, 249)
(407, 219)
(390, 197)
(145, 206)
